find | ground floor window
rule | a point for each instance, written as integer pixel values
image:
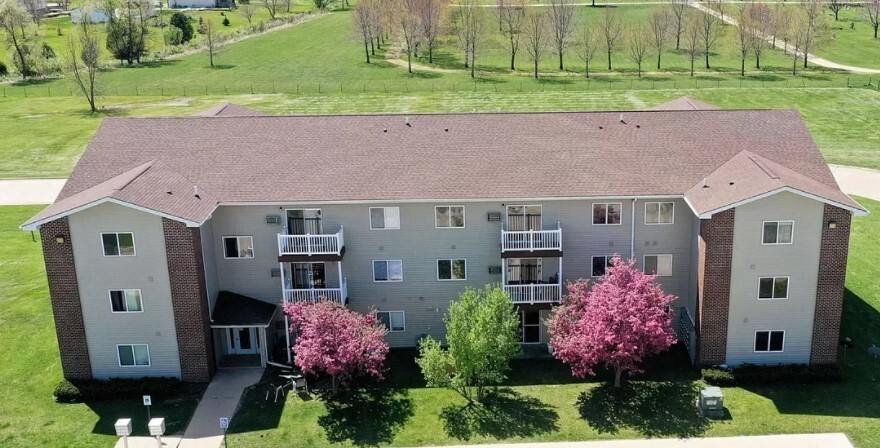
(395, 321)
(769, 341)
(530, 327)
(133, 355)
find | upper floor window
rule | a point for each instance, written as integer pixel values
(773, 288)
(601, 264)
(126, 301)
(606, 213)
(660, 265)
(384, 218)
(395, 321)
(118, 244)
(448, 216)
(778, 232)
(238, 247)
(451, 270)
(133, 355)
(769, 341)
(387, 271)
(659, 212)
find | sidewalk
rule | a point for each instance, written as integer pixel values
(29, 191)
(835, 440)
(858, 181)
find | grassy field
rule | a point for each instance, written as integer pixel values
(29, 364)
(541, 402)
(852, 46)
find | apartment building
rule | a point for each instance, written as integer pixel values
(175, 240)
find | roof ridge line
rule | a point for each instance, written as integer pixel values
(754, 158)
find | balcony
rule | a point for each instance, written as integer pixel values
(531, 243)
(338, 295)
(534, 293)
(311, 247)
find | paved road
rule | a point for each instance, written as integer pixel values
(836, 440)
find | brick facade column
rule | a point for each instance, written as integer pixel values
(189, 299)
(716, 256)
(830, 285)
(66, 305)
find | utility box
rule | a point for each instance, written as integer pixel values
(157, 426)
(712, 402)
(123, 427)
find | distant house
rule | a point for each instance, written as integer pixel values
(201, 3)
(176, 240)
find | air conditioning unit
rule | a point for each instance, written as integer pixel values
(273, 219)
(495, 216)
(275, 272)
(495, 270)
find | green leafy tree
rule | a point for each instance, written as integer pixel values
(225, 21)
(482, 333)
(180, 21)
(21, 37)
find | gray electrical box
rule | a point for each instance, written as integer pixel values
(273, 219)
(712, 402)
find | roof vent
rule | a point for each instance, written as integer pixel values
(621, 119)
(705, 185)
(196, 191)
(732, 182)
(407, 122)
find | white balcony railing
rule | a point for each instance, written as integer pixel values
(531, 240)
(339, 295)
(311, 244)
(537, 293)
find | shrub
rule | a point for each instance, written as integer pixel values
(750, 374)
(225, 21)
(3, 70)
(115, 388)
(181, 21)
(47, 52)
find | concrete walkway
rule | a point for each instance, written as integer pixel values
(813, 59)
(29, 191)
(858, 181)
(220, 400)
(836, 440)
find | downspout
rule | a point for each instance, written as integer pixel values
(632, 236)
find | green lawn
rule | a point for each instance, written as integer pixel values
(851, 46)
(29, 364)
(543, 403)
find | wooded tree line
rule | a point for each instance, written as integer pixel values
(558, 27)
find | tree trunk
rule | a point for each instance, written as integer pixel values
(587, 68)
(430, 53)
(409, 60)
(561, 68)
(742, 66)
(875, 30)
(659, 52)
(707, 59)
(794, 66)
(692, 66)
(805, 58)
(617, 375)
(536, 69)
(757, 61)
(640, 69)
(609, 59)
(372, 47)
(512, 60)
(367, 51)
(678, 40)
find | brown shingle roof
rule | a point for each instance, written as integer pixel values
(454, 156)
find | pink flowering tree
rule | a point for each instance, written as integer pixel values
(334, 340)
(617, 323)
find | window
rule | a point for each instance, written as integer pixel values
(523, 217)
(773, 288)
(395, 321)
(126, 301)
(600, 264)
(769, 341)
(133, 355)
(238, 247)
(387, 271)
(448, 217)
(451, 270)
(384, 218)
(778, 232)
(118, 244)
(530, 327)
(659, 212)
(660, 265)
(606, 213)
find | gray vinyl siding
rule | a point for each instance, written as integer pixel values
(147, 271)
(209, 256)
(676, 239)
(751, 260)
(418, 244)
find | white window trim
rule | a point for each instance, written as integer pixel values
(450, 270)
(104, 252)
(606, 204)
(769, 337)
(384, 218)
(607, 260)
(373, 272)
(658, 214)
(463, 217)
(119, 360)
(254, 247)
(671, 263)
(140, 294)
(774, 277)
(763, 223)
(390, 330)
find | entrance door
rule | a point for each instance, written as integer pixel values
(308, 276)
(242, 341)
(530, 327)
(305, 221)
